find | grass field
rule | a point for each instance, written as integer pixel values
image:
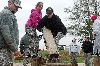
(64, 56)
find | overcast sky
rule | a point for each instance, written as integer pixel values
(23, 14)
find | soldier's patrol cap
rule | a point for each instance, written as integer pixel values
(17, 3)
(49, 10)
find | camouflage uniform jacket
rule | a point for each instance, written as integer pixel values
(9, 33)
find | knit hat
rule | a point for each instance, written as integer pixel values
(94, 17)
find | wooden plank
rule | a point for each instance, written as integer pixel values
(57, 64)
(35, 63)
(38, 61)
(96, 61)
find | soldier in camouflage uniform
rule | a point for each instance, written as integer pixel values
(29, 45)
(9, 33)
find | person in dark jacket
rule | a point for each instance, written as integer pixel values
(52, 22)
(52, 28)
(87, 47)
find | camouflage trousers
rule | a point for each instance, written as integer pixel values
(88, 58)
(74, 57)
(6, 57)
(31, 52)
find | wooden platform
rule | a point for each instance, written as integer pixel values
(57, 64)
(20, 64)
(96, 61)
(35, 63)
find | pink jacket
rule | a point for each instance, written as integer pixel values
(34, 19)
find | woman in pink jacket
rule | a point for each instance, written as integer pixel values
(31, 27)
(35, 16)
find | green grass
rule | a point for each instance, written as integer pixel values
(18, 61)
(64, 56)
(80, 60)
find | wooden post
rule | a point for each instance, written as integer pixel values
(96, 61)
(36, 62)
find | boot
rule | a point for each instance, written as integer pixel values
(54, 58)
